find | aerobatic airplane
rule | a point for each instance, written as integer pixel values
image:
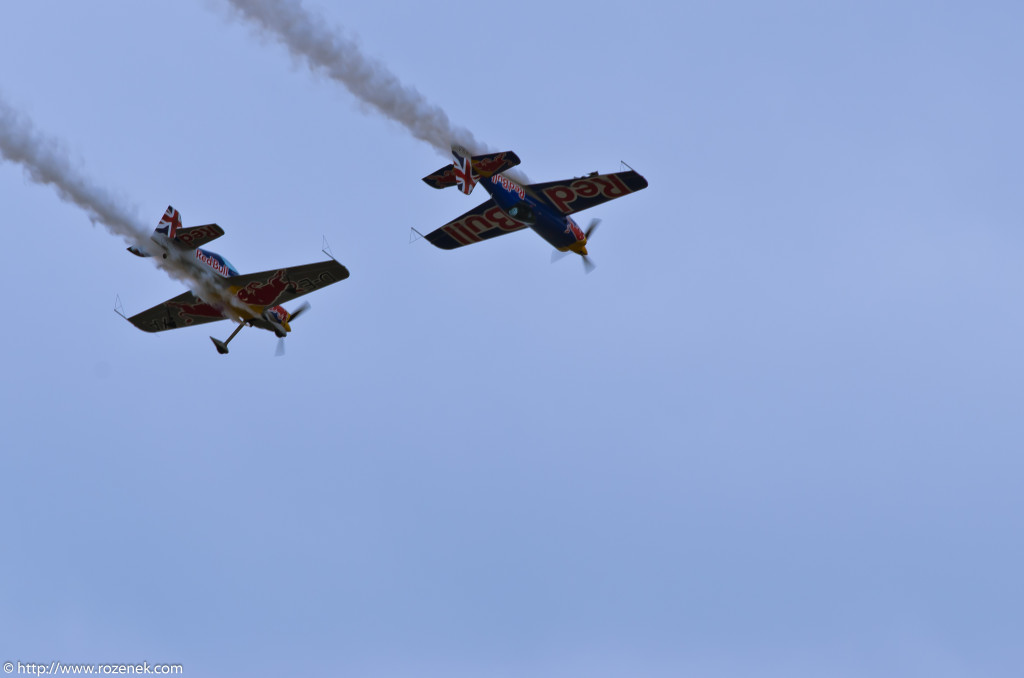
(546, 208)
(252, 299)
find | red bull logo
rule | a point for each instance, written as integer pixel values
(213, 263)
(508, 185)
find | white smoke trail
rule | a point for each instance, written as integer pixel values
(306, 36)
(46, 162)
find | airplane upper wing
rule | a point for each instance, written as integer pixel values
(281, 285)
(486, 220)
(183, 310)
(575, 195)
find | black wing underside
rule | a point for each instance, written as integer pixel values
(483, 222)
(575, 195)
(184, 310)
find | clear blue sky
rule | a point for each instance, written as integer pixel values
(777, 432)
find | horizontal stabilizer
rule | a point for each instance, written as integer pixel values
(442, 178)
(197, 236)
(494, 163)
(483, 165)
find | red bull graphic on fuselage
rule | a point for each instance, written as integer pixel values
(514, 202)
(572, 228)
(278, 314)
(219, 264)
(508, 185)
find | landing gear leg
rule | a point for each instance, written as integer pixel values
(222, 346)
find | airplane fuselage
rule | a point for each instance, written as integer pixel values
(205, 258)
(518, 203)
(215, 263)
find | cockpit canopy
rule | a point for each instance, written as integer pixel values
(522, 211)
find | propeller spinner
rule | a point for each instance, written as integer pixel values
(588, 265)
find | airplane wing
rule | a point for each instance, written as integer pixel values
(480, 223)
(183, 310)
(281, 285)
(575, 195)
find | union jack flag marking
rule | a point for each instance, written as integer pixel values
(464, 175)
(171, 222)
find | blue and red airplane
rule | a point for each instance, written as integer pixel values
(252, 299)
(546, 208)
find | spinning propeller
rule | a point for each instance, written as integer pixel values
(291, 316)
(299, 311)
(588, 265)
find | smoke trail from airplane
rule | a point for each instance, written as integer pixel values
(306, 36)
(46, 162)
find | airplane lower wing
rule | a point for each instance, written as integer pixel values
(485, 221)
(575, 195)
(279, 286)
(183, 310)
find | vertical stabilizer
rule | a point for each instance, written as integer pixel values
(170, 223)
(463, 167)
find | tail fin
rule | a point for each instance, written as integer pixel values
(465, 171)
(170, 223)
(169, 231)
(188, 238)
(168, 227)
